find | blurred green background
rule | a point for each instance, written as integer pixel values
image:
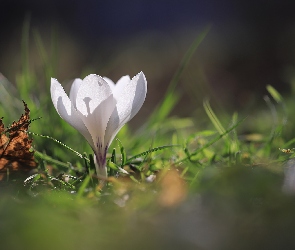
(249, 45)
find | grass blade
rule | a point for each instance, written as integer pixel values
(171, 98)
(150, 151)
(57, 141)
(217, 138)
(274, 93)
(213, 117)
(44, 157)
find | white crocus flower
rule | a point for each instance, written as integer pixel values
(98, 109)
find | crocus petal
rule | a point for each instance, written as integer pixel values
(95, 103)
(110, 82)
(130, 96)
(120, 85)
(74, 90)
(66, 110)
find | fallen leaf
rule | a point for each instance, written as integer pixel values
(15, 145)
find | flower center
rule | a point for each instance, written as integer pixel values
(101, 154)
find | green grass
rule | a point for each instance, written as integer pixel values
(216, 186)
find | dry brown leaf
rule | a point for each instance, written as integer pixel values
(15, 155)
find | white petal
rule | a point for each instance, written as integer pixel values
(121, 83)
(118, 87)
(66, 110)
(91, 93)
(129, 101)
(110, 82)
(74, 90)
(96, 103)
